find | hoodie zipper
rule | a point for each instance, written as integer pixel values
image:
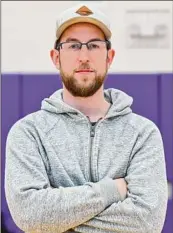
(92, 135)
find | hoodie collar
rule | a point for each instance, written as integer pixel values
(120, 103)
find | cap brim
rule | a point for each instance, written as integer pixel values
(94, 21)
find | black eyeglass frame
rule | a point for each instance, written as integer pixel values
(59, 45)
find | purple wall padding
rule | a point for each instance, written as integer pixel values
(166, 127)
(35, 88)
(153, 98)
(143, 89)
(168, 225)
(10, 114)
(166, 124)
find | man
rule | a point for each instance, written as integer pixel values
(85, 162)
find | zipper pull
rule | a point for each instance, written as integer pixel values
(92, 132)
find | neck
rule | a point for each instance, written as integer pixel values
(95, 107)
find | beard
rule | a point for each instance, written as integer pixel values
(87, 88)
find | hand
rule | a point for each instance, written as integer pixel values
(122, 187)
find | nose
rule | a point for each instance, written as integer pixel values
(83, 54)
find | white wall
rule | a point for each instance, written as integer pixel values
(28, 34)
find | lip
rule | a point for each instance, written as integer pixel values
(84, 71)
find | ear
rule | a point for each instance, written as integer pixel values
(110, 56)
(54, 54)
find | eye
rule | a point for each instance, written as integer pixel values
(74, 46)
(93, 46)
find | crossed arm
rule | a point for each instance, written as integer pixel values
(105, 206)
(143, 209)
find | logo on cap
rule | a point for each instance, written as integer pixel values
(84, 11)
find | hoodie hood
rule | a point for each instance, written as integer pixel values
(120, 103)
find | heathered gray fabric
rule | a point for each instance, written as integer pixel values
(55, 182)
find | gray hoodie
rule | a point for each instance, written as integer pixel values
(59, 174)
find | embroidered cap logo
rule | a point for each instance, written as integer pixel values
(84, 11)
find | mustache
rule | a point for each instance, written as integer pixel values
(84, 66)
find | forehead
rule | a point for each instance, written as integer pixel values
(82, 32)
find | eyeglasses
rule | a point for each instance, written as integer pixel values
(94, 47)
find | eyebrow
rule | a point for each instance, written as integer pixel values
(76, 40)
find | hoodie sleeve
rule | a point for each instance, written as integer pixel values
(35, 206)
(144, 209)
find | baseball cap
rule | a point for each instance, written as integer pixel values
(83, 13)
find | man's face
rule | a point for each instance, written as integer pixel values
(82, 71)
